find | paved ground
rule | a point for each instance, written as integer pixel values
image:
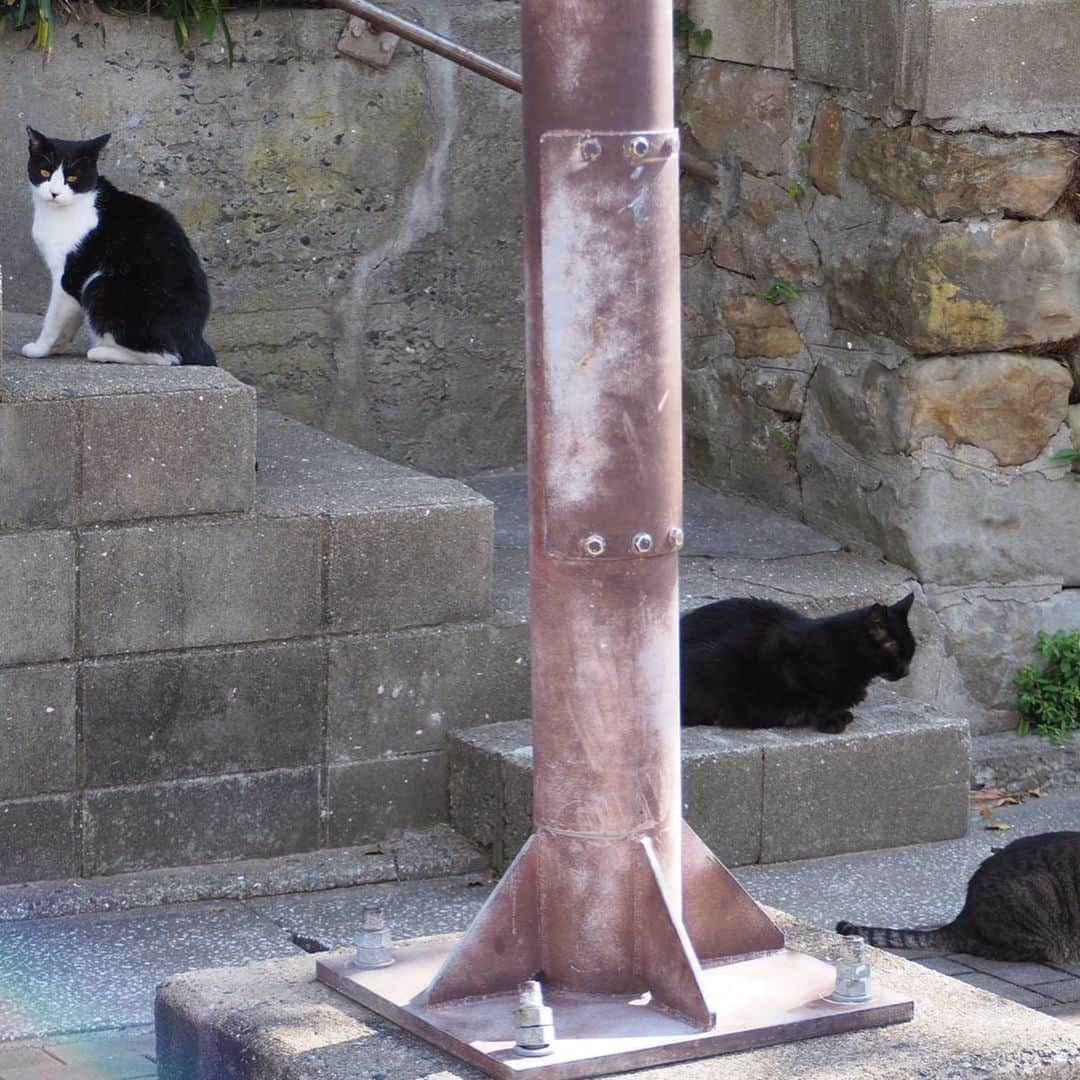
(76, 991)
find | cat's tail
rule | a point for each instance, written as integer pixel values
(197, 351)
(886, 937)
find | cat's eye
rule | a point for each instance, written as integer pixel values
(72, 179)
(45, 172)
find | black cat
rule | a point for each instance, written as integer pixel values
(122, 260)
(1023, 903)
(752, 663)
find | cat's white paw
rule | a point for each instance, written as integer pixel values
(35, 349)
(100, 354)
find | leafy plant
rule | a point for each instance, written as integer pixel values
(784, 441)
(796, 190)
(779, 292)
(1050, 698)
(701, 37)
(697, 35)
(185, 15)
(804, 146)
(1074, 457)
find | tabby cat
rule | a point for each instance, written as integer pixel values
(1023, 903)
(753, 663)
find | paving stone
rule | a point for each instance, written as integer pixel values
(37, 731)
(376, 800)
(24, 1057)
(115, 1057)
(167, 454)
(38, 457)
(182, 584)
(1067, 1013)
(442, 906)
(943, 964)
(202, 713)
(1022, 974)
(37, 839)
(254, 815)
(99, 971)
(1004, 989)
(412, 565)
(1066, 991)
(436, 852)
(37, 597)
(401, 693)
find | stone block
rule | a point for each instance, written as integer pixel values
(38, 458)
(760, 328)
(37, 597)
(748, 111)
(377, 800)
(203, 713)
(757, 34)
(1006, 65)
(37, 731)
(37, 839)
(252, 816)
(896, 776)
(853, 46)
(415, 559)
(401, 693)
(954, 176)
(964, 288)
(164, 455)
(184, 584)
(827, 147)
(951, 515)
(723, 778)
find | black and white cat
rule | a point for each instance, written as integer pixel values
(753, 663)
(120, 259)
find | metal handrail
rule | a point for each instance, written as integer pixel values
(474, 61)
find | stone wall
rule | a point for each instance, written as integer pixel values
(361, 227)
(883, 297)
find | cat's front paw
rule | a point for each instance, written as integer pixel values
(35, 349)
(832, 723)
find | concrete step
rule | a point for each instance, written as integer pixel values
(82, 443)
(251, 684)
(1019, 763)
(898, 775)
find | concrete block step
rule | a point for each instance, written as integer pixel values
(1019, 763)
(898, 775)
(82, 443)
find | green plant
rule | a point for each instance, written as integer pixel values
(796, 191)
(185, 15)
(804, 147)
(784, 441)
(1074, 457)
(1050, 698)
(697, 35)
(779, 292)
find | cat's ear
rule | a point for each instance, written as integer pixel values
(902, 607)
(94, 147)
(877, 622)
(38, 142)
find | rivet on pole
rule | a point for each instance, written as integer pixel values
(637, 148)
(595, 545)
(643, 543)
(591, 149)
(676, 537)
(535, 1022)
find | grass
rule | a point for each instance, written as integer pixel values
(1049, 696)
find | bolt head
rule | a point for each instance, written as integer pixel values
(591, 149)
(637, 147)
(676, 537)
(595, 545)
(643, 543)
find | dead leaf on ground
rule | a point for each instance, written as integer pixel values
(1033, 793)
(998, 826)
(986, 812)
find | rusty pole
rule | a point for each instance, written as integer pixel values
(602, 877)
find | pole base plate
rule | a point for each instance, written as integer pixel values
(776, 997)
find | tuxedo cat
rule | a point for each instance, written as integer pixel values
(1023, 903)
(752, 663)
(123, 261)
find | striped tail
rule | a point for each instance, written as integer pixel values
(885, 937)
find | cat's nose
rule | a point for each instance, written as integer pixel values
(55, 194)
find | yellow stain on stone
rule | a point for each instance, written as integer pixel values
(957, 324)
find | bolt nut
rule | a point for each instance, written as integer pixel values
(852, 973)
(595, 545)
(591, 148)
(534, 1021)
(676, 537)
(643, 543)
(387, 44)
(373, 940)
(637, 147)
